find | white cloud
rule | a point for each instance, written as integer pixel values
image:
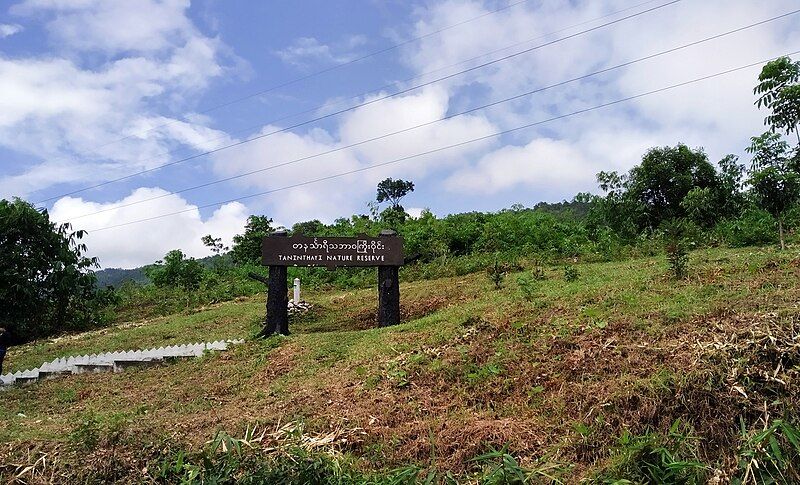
(7, 30)
(415, 212)
(540, 164)
(320, 201)
(96, 123)
(146, 242)
(341, 196)
(308, 50)
(113, 25)
(718, 115)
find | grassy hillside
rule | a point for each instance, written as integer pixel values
(621, 374)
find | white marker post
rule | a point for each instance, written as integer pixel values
(297, 290)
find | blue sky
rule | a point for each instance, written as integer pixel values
(94, 90)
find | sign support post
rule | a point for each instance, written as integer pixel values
(388, 291)
(277, 299)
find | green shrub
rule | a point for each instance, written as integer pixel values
(571, 273)
(176, 270)
(499, 467)
(771, 455)
(94, 430)
(527, 284)
(754, 227)
(677, 234)
(678, 259)
(86, 433)
(653, 458)
(228, 460)
(537, 272)
(497, 273)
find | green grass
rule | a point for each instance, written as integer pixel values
(232, 320)
(470, 367)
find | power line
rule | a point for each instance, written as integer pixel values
(352, 98)
(321, 71)
(448, 117)
(448, 147)
(382, 98)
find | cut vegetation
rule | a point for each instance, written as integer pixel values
(621, 373)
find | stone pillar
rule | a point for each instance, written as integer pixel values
(297, 290)
(277, 299)
(388, 291)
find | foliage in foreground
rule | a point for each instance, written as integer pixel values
(46, 284)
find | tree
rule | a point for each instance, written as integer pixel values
(731, 200)
(774, 183)
(247, 246)
(665, 176)
(617, 210)
(46, 284)
(214, 244)
(779, 90)
(700, 206)
(393, 191)
(176, 270)
(309, 228)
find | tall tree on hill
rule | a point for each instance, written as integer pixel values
(731, 200)
(779, 91)
(617, 210)
(393, 191)
(309, 228)
(775, 183)
(247, 246)
(46, 284)
(654, 191)
(664, 178)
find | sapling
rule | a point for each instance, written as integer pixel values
(571, 273)
(497, 273)
(678, 258)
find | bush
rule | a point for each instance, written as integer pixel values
(754, 227)
(176, 271)
(497, 273)
(244, 461)
(533, 232)
(653, 458)
(677, 234)
(678, 258)
(527, 286)
(771, 455)
(571, 273)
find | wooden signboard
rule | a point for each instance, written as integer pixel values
(332, 251)
(279, 251)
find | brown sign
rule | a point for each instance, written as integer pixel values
(332, 251)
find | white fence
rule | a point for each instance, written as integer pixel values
(112, 361)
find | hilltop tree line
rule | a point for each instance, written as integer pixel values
(48, 286)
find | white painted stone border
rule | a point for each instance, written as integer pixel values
(116, 361)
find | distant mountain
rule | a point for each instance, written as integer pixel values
(116, 276)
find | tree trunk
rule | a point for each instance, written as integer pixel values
(780, 233)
